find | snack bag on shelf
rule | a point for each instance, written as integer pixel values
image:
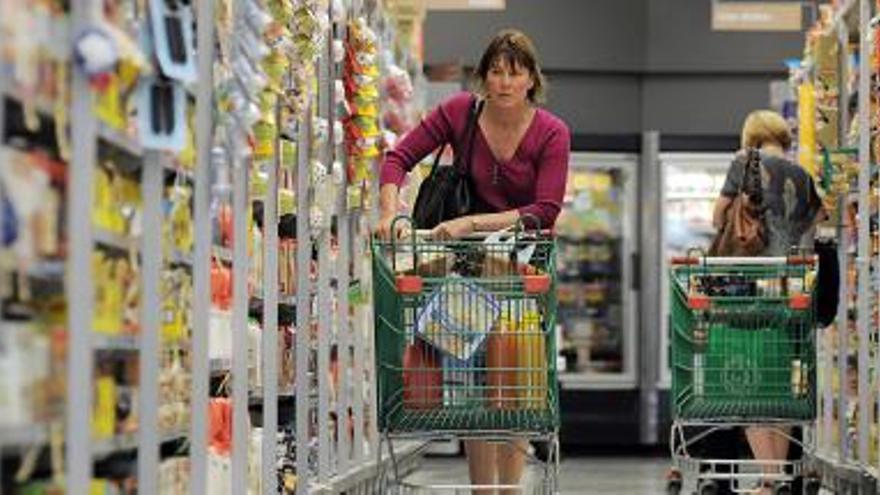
(104, 420)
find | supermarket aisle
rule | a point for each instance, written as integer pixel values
(605, 475)
(579, 475)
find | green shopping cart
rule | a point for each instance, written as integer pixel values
(742, 353)
(465, 343)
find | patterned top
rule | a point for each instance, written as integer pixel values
(790, 198)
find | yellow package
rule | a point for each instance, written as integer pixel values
(264, 140)
(180, 219)
(288, 155)
(109, 106)
(532, 359)
(104, 420)
(99, 487)
(173, 317)
(187, 157)
(103, 319)
(103, 199)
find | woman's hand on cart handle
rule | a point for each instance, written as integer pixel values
(454, 229)
(387, 223)
(383, 228)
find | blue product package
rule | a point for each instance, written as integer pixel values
(457, 318)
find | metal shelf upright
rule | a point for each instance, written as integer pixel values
(81, 239)
(847, 467)
(322, 237)
(304, 300)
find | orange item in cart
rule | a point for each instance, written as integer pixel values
(501, 358)
(422, 377)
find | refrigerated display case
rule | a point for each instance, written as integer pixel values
(596, 236)
(691, 184)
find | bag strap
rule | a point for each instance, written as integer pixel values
(470, 131)
(753, 173)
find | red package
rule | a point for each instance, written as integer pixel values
(422, 377)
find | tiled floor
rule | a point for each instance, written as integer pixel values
(579, 475)
(599, 475)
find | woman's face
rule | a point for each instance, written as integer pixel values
(508, 85)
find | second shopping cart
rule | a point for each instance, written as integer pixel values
(742, 356)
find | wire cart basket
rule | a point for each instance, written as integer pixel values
(742, 353)
(465, 345)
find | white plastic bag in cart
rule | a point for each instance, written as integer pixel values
(504, 242)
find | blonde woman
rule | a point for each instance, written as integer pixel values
(792, 207)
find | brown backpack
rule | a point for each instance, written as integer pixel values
(743, 232)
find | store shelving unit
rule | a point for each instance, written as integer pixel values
(331, 310)
(845, 435)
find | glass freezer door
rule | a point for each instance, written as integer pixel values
(596, 238)
(692, 183)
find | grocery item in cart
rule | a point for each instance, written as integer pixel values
(516, 359)
(533, 359)
(501, 358)
(422, 377)
(433, 264)
(500, 266)
(457, 317)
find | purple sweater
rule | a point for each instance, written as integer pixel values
(533, 181)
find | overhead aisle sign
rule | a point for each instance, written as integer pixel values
(757, 16)
(466, 4)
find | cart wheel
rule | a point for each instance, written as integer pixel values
(812, 485)
(674, 482)
(707, 487)
(782, 488)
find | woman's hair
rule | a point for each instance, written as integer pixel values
(765, 126)
(515, 48)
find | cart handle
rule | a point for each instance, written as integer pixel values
(744, 260)
(481, 235)
(408, 220)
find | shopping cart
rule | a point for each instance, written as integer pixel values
(465, 345)
(742, 354)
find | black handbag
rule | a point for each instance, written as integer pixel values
(446, 193)
(827, 281)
